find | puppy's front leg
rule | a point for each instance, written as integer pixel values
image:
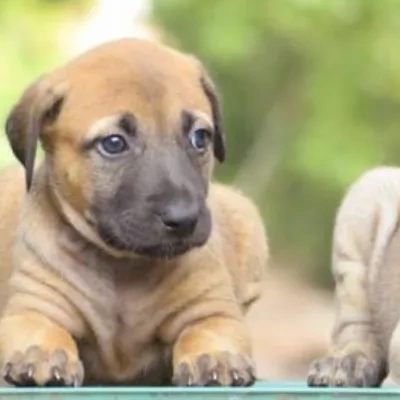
(37, 326)
(213, 351)
(37, 351)
(364, 225)
(356, 358)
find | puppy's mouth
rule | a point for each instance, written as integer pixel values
(160, 250)
(167, 250)
(148, 241)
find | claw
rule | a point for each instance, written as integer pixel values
(311, 380)
(213, 381)
(56, 378)
(56, 374)
(75, 381)
(7, 374)
(26, 377)
(251, 381)
(236, 379)
(339, 382)
(30, 371)
(7, 370)
(213, 378)
(324, 381)
(190, 380)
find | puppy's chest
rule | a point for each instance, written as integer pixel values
(125, 326)
(134, 312)
(119, 292)
(121, 306)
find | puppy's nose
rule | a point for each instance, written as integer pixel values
(180, 220)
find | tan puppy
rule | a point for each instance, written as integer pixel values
(128, 266)
(366, 261)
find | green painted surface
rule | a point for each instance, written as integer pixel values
(263, 390)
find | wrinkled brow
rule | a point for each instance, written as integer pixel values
(127, 123)
(187, 120)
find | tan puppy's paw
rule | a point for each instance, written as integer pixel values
(35, 351)
(213, 352)
(217, 369)
(348, 370)
(36, 367)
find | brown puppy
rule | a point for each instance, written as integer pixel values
(128, 266)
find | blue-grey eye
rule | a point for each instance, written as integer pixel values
(199, 138)
(113, 144)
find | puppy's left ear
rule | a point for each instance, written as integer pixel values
(211, 92)
(38, 107)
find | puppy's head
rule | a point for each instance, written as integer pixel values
(129, 131)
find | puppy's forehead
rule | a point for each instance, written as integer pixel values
(151, 81)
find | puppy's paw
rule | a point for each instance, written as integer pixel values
(351, 370)
(216, 369)
(35, 367)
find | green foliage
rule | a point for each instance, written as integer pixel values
(311, 99)
(29, 42)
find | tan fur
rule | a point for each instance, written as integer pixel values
(366, 255)
(130, 319)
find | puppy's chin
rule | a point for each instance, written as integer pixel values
(162, 250)
(153, 243)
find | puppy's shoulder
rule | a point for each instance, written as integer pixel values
(377, 190)
(241, 227)
(231, 202)
(11, 183)
(378, 180)
(239, 221)
(12, 192)
(368, 213)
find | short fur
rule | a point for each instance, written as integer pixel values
(102, 288)
(366, 255)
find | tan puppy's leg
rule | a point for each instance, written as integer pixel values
(365, 223)
(205, 329)
(37, 351)
(36, 344)
(213, 352)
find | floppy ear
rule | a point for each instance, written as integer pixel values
(39, 105)
(210, 91)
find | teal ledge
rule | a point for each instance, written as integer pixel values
(262, 390)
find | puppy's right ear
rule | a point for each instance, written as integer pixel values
(38, 107)
(210, 91)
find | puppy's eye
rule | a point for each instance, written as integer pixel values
(199, 138)
(113, 145)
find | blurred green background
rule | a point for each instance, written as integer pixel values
(310, 93)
